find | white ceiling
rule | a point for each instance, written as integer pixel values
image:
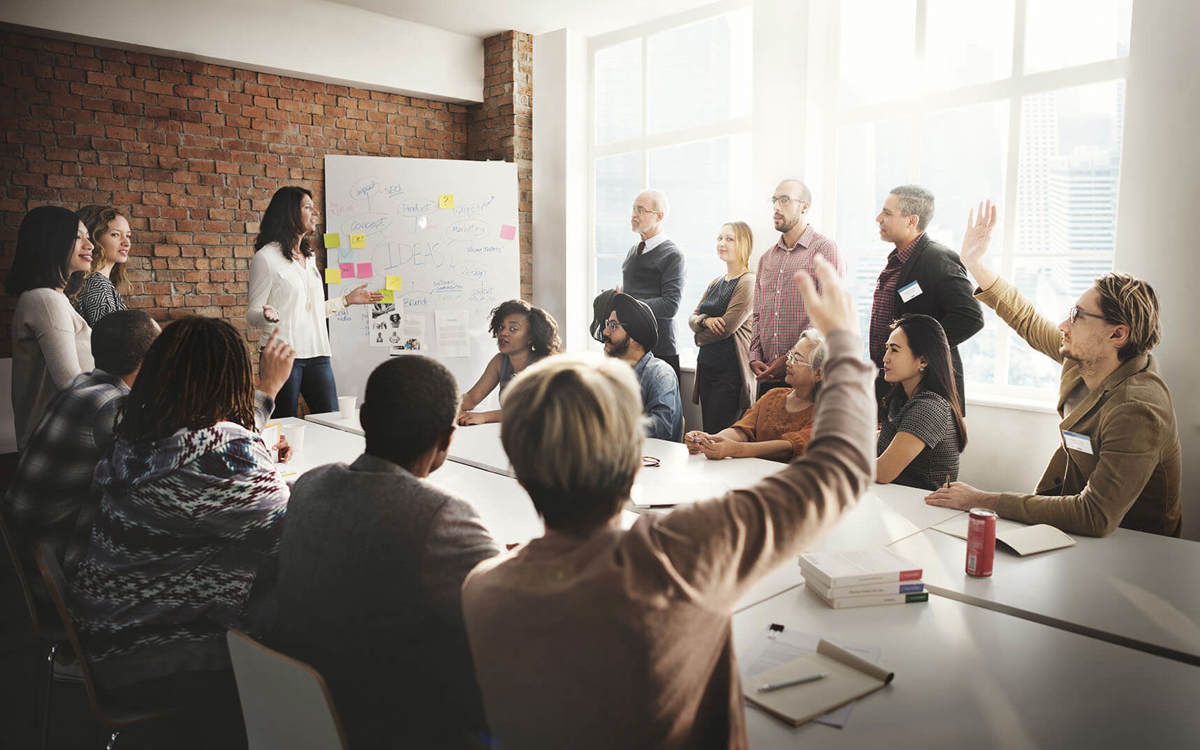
(483, 18)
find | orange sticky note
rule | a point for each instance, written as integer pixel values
(333, 275)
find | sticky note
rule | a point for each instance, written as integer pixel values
(347, 270)
(507, 231)
(446, 200)
(345, 255)
(393, 283)
(333, 275)
(388, 295)
(365, 271)
(358, 241)
(332, 240)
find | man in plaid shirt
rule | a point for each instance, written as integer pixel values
(779, 313)
(52, 498)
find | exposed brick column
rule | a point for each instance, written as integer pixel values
(501, 128)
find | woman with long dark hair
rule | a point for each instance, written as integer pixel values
(51, 344)
(286, 290)
(97, 291)
(524, 334)
(922, 431)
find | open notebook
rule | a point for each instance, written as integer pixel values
(848, 677)
(1022, 539)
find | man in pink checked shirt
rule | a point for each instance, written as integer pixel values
(779, 312)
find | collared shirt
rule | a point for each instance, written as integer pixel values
(652, 243)
(779, 313)
(883, 311)
(660, 398)
(52, 498)
(297, 294)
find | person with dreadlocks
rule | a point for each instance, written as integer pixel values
(192, 508)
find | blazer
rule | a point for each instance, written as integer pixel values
(946, 296)
(737, 325)
(1133, 475)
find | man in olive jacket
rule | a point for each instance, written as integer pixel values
(921, 277)
(1119, 463)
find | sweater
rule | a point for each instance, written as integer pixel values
(656, 278)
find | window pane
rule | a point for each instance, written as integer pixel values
(877, 49)
(1060, 33)
(701, 180)
(967, 42)
(618, 71)
(1053, 284)
(618, 181)
(1069, 170)
(699, 74)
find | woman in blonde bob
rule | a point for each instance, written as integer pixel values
(559, 627)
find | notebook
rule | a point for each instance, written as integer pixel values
(1022, 539)
(848, 677)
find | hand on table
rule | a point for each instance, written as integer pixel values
(275, 365)
(959, 495)
(716, 447)
(360, 296)
(695, 440)
(470, 418)
(716, 325)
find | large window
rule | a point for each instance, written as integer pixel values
(671, 111)
(1020, 102)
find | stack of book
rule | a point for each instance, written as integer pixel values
(863, 578)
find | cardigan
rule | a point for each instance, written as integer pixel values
(737, 325)
(1133, 475)
(622, 638)
(656, 278)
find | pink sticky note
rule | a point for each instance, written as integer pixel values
(365, 271)
(347, 270)
(507, 231)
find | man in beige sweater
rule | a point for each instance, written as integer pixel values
(1119, 463)
(595, 637)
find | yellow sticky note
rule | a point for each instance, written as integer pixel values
(333, 275)
(388, 295)
(358, 241)
(393, 283)
(332, 240)
(446, 200)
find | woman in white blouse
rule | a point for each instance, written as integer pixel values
(286, 289)
(51, 343)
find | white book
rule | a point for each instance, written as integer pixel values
(867, 589)
(847, 602)
(1020, 538)
(835, 569)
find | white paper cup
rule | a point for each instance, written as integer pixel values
(346, 405)
(294, 434)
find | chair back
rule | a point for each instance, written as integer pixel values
(285, 703)
(41, 616)
(56, 586)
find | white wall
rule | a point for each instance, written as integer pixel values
(313, 39)
(560, 190)
(1160, 192)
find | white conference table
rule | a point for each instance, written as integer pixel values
(971, 677)
(1135, 589)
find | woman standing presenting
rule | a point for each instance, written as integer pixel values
(721, 323)
(286, 290)
(98, 293)
(51, 344)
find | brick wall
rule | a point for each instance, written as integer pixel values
(502, 127)
(194, 152)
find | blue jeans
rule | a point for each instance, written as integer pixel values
(312, 377)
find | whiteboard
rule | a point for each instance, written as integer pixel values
(448, 229)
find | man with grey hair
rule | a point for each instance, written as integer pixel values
(780, 314)
(921, 277)
(653, 271)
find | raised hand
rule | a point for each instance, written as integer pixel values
(360, 296)
(976, 239)
(275, 366)
(831, 308)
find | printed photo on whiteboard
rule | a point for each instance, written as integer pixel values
(452, 334)
(379, 331)
(382, 308)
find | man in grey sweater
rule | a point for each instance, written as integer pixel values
(653, 271)
(371, 565)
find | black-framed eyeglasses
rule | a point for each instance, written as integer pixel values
(650, 461)
(612, 325)
(1076, 311)
(783, 201)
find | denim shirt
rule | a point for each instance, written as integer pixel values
(660, 398)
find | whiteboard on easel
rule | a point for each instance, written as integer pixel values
(440, 239)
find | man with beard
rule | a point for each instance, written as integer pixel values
(629, 334)
(1119, 463)
(779, 312)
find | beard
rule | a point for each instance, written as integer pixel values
(616, 350)
(785, 226)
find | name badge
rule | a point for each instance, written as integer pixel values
(910, 292)
(1077, 442)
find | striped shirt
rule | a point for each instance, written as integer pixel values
(779, 313)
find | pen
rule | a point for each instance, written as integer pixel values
(788, 683)
(947, 481)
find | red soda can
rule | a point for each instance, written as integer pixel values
(981, 542)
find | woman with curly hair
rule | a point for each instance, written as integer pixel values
(97, 292)
(524, 334)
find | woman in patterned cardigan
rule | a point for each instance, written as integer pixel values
(192, 511)
(97, 292)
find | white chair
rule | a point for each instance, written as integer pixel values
(285, 703)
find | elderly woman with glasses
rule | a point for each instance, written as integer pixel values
(779, 425)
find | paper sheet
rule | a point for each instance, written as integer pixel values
(452, 336)
(780, 647)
